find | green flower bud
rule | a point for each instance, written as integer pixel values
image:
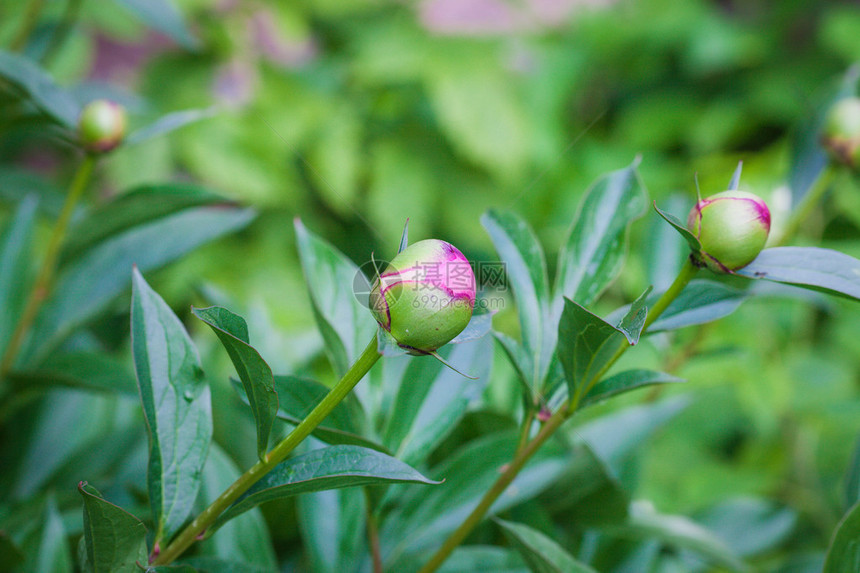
(841, 136)
(101, 126)
(732, 228)
(425, 297)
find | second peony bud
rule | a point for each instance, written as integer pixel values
(101, 126)
(425, 297)
(732, 228)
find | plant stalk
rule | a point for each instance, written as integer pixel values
(687, 272)
(196, 528)
(42, 286)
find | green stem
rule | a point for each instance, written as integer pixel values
(31, 19)
(42, 286)
(194, 529)
(687, 272)
(807, 204)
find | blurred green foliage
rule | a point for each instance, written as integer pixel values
(355, 115)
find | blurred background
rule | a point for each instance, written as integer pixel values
(356, 114)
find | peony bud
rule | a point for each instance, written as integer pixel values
(101, 126)
(425, 296)
(732, 228)
(841, 135)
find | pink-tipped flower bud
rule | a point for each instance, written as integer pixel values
(425, 297)
(732, 228)
(841, 135)
(101, 126)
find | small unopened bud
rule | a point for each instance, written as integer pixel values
(841, 135)
(101, 126)
(732, 228)
(425, 297)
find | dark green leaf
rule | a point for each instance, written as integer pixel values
(115, 539)
(844, 551)
(345, 324)
(255, 374)
(10, 554)
(681, 533)
(15, 257)
(586, 342)
(168, 123)
(86, 286)
(624, 382)
(593, 253)
(176, 405)
(298, 396)
(525, 265)
(245, 538)
(85, 370)
(134, 208)
(691, 239)
(27, 77)
(432, 399)
(163, 16)
(809, 267)
(327, 468)
(542, 554)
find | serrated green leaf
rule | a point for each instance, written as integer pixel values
(691, 239)
(163, 16)
(167, 123)
(298, 396)
(255, 374)
(542, 554)
(525, 266)
(115, 539)
(85, 370)
(593, 253)
(431, 399)
(15, 257)
(843, 554)
(176, 405)
(345, 324)
(818, 269)
(624, 382)
(33, 82)
(87, 285)
(327, 468)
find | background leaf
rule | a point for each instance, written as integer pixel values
(163, 16)
(345, 324)
(332, 523)
(85, 370)
(15, 257)
(624, 382)
(167, 123)
(176, 405)
(25, 75)
(255, 374)
(679, 226)
(809, 267)
(525, 266)
(844, 551)
(542, 554)
(115, 539)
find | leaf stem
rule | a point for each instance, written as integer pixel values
(807, 204)
(31, 19)
(687, 272)
(197, 527)
(41, 288)
(373, 534)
